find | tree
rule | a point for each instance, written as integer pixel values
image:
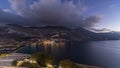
(43, 59)
(69, 64)
(14, 63)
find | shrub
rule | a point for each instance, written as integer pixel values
(69, 64)
(42, 59)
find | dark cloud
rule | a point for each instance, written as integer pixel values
(6, 17)
(91, 21)
(49, 12)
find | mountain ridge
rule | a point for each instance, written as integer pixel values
(76, 34)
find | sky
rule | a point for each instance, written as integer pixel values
(98, 15)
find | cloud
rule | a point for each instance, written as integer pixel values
(100, 30)
(10, 18)
(19, 6)
(54, 12)
(91, 21)
(7, 10)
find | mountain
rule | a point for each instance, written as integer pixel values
(99, 36)
(79, 34)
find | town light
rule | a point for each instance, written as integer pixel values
(49, 66)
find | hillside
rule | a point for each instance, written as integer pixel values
(78, 34)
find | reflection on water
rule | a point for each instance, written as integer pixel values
(102, 53)
(55, 47)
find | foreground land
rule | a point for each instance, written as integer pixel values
(38, 60)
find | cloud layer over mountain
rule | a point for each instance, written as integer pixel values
(49, 12)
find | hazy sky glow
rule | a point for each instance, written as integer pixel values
(100, 14)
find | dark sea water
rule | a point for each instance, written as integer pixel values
(101, 53)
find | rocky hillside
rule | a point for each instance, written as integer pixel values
(78, 34)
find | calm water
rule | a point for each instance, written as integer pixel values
(102, 53)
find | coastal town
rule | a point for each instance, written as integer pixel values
(9, 54)
(19, 43)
